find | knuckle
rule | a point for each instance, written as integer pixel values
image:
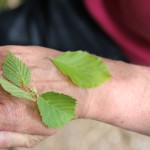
(34, 141)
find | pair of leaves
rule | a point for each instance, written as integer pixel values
(17, 76)
(56, 109)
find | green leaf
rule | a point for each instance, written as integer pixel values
(16, 71)
(56, 109)
(84, 69)
(14, 90)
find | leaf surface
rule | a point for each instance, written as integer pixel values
(14, 90)
(56, 109)
(16, 71)
(84, 69)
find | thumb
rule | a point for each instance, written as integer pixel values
(12, 139)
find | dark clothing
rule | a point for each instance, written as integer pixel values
(59, 24)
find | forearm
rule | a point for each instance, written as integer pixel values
(124, 100)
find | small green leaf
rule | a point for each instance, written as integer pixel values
(16, 71)
(56, 109)
(84, 69)
(14, 90)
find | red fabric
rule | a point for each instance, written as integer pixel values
(128, 23)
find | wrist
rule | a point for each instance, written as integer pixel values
(100, 103)
(95, 101)
(123, 100)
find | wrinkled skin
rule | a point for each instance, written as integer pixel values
(20, 121)
(124, 100)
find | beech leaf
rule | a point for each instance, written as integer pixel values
(85, 70)
(14, 90)
(16, 71)
(56, 109)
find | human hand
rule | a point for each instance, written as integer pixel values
(20, 121)
(117, 102)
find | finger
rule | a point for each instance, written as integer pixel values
(12, 139)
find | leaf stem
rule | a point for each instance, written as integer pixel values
(35, 95)
(25, 88)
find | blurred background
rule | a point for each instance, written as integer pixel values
(9, 4)
(86, 134)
